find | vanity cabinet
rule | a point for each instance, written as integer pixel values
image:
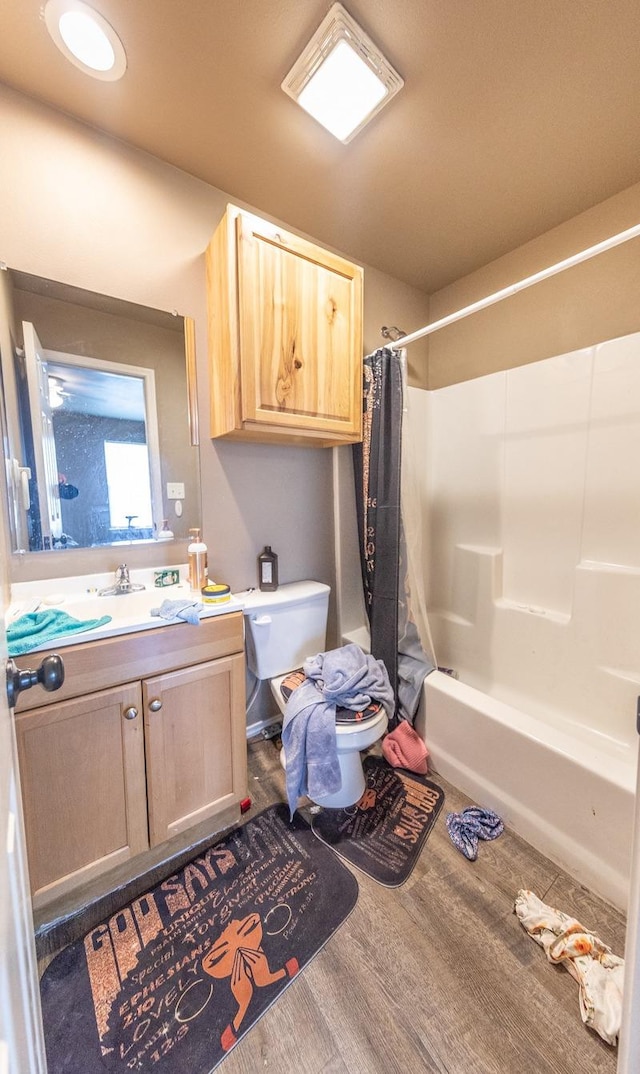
(157, 746)
(190, 772)
(83, 788)
(285, 336)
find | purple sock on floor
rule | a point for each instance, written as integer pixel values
(472, 824)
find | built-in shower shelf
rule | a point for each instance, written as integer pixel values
(627, 674)
(451, 617)
(359, 636)
(608, 568)
(533, 609)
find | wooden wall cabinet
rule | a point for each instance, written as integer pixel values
(285, 336)
(110, 773)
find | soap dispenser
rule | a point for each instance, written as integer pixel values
(165, 533)
(197, 557)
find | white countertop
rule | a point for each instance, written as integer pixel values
(130, 612)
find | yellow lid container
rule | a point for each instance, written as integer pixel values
(215, 593)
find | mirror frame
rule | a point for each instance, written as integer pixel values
(50, 563)
(192, 379)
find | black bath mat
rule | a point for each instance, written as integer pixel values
(175, 978)
(385, 831)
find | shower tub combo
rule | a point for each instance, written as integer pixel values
(552, 786)
(529, 486)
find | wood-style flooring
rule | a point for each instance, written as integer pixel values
(437, 975)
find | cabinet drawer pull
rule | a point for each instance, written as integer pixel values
(155, 705)
(130, 713)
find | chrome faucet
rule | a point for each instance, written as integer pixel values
(123, 584)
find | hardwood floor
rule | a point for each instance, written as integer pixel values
(437, 975)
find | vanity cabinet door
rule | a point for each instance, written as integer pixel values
(195, 733)
(83, 788)
(285, 321)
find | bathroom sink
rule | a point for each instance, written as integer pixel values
(125, 607)
(128, 612)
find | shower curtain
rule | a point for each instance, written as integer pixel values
(386, 562)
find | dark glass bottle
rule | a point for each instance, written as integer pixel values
(268, 569)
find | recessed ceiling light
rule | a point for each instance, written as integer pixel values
(342, 79)
(86, 39)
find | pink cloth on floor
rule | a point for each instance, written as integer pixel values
(403, 748)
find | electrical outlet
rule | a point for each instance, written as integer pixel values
(175, 490)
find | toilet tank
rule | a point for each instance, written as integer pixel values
(283, 628)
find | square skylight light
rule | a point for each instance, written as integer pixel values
(342, 79)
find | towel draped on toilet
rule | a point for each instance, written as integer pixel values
(346, 677)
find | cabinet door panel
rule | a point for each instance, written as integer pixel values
(195, 732)
(300, 334)
(83, 787)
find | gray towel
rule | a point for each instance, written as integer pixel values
(351, 678)
(345, 677)
(188, 610)
(309, 742)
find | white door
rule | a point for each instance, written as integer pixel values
(21, 1039)
(44, 447)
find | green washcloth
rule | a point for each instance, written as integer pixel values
(37, 628)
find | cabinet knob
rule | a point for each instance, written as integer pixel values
(155, 705)
(130, 713)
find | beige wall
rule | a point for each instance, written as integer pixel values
(594, 301)
(86, 210)
(390, 302)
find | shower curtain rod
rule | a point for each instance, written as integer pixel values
(528, 281)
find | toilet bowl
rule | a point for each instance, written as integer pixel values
(352, 736)
(285, 627)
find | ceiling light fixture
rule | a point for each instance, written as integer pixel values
(342, 79)
(86, 39)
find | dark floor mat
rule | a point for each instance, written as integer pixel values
(384, 833)
(174, 979)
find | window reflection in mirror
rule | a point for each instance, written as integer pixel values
(97, 413)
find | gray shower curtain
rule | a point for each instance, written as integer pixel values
(377, 462)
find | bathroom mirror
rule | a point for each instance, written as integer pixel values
(101, 425)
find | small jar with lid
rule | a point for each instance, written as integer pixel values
(215, 593)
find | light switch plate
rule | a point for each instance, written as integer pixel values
(175, 490)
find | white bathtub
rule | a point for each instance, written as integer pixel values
(567, 794)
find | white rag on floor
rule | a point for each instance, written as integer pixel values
(596, 969)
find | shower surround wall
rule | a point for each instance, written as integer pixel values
(533, 492)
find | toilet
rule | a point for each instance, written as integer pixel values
(285, 627)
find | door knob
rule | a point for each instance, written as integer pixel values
(155, 705)
(50, 675)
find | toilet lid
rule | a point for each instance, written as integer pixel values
(296, 678)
